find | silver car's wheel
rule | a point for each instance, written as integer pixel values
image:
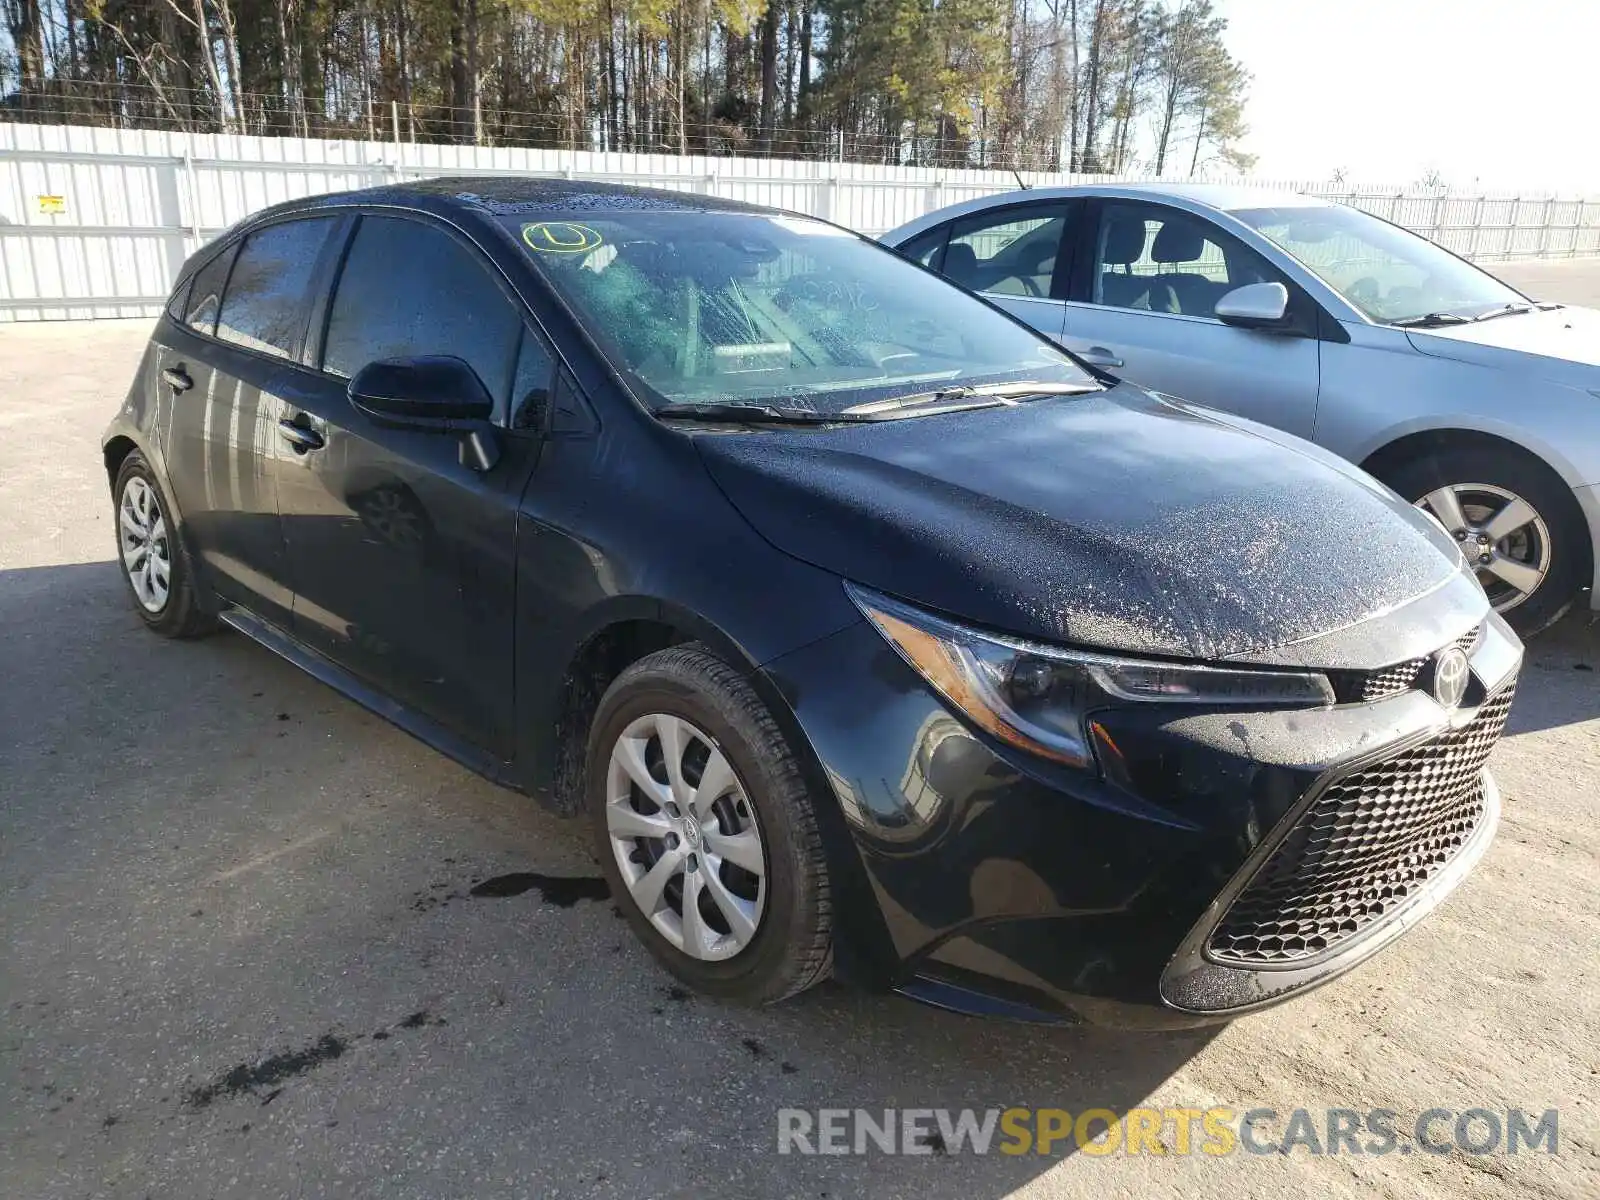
(1502, 536)
(142, 536)
(685, 837)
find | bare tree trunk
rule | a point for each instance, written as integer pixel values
(230, 50)
(202, 26)
(1092, 114)
(27, 32)
(789, 61)
(803, 104)
(679, 71)
(475, 72)
(769, 75)
(460, 99)
(285, 14)
(1072, 142)
(401, 52)
(1199, 137)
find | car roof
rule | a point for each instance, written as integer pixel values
(1222, 196)
(1197, 197)
(516, 195)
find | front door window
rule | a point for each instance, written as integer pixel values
(1158, 259)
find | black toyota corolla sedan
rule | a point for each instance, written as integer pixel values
(871, 633)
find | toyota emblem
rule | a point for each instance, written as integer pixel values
(1450, 671)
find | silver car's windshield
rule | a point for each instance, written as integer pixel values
(1389, 273)
(719, 308)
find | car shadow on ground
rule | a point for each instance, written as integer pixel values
(1560, 682)
(249, 922)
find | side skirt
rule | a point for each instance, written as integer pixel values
(424, 729)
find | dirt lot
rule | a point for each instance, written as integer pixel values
(240, 955)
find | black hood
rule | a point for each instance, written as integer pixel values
(1114, 520)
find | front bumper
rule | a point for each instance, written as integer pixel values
(981, 879)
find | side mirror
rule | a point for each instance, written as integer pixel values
(433, 394)
(430, 394)
(1254, 306)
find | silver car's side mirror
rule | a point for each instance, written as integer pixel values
(1254, 306)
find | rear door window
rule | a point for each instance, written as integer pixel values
(411, 289)
(269, 292)
(1007, 251)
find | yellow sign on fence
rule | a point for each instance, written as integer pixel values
(52, 206)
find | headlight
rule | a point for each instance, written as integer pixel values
(1035, 697)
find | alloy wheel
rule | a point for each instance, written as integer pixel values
(685, 836)
(1502, 537)
(142, 535)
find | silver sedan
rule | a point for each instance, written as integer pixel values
(1473, 401)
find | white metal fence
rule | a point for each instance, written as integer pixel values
(95, 222)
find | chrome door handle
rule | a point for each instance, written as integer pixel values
(301, 437)
(1099, 356)
(177, 378)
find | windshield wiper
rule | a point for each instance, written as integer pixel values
(755, 413)
(1511, 309)
(1430, 320)
(999, 393)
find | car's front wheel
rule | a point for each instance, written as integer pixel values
(1516, 522)
(705, 829)
(151, 555)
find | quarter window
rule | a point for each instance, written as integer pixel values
(410, 289)
(1011, 251)
(530, 386)
(1161, 260)
(268, 294)
(925, 247)
(205, 293)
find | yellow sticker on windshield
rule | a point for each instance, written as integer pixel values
(559, 237)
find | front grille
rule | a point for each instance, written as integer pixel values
(1363, 687)
(1369, 843)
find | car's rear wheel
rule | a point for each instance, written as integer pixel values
(705, 829)
(151, 554)
(1517, 523)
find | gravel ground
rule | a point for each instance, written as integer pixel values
(240, 954)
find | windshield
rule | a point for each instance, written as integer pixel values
(718, 308)
(1389, 273)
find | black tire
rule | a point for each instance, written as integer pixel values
(791, 949)
(181, 616)
(1527, 477)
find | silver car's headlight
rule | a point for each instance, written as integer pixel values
(1036, 697)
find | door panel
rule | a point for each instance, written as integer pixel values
(1047, 316)
(403, 558)
(1144, 311)
(1268, 377)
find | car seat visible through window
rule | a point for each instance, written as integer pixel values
(1181, 244)
(1122, 246)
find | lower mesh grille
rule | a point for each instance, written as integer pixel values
(1367, 844)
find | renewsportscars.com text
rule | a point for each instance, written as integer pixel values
(1213, 1132)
